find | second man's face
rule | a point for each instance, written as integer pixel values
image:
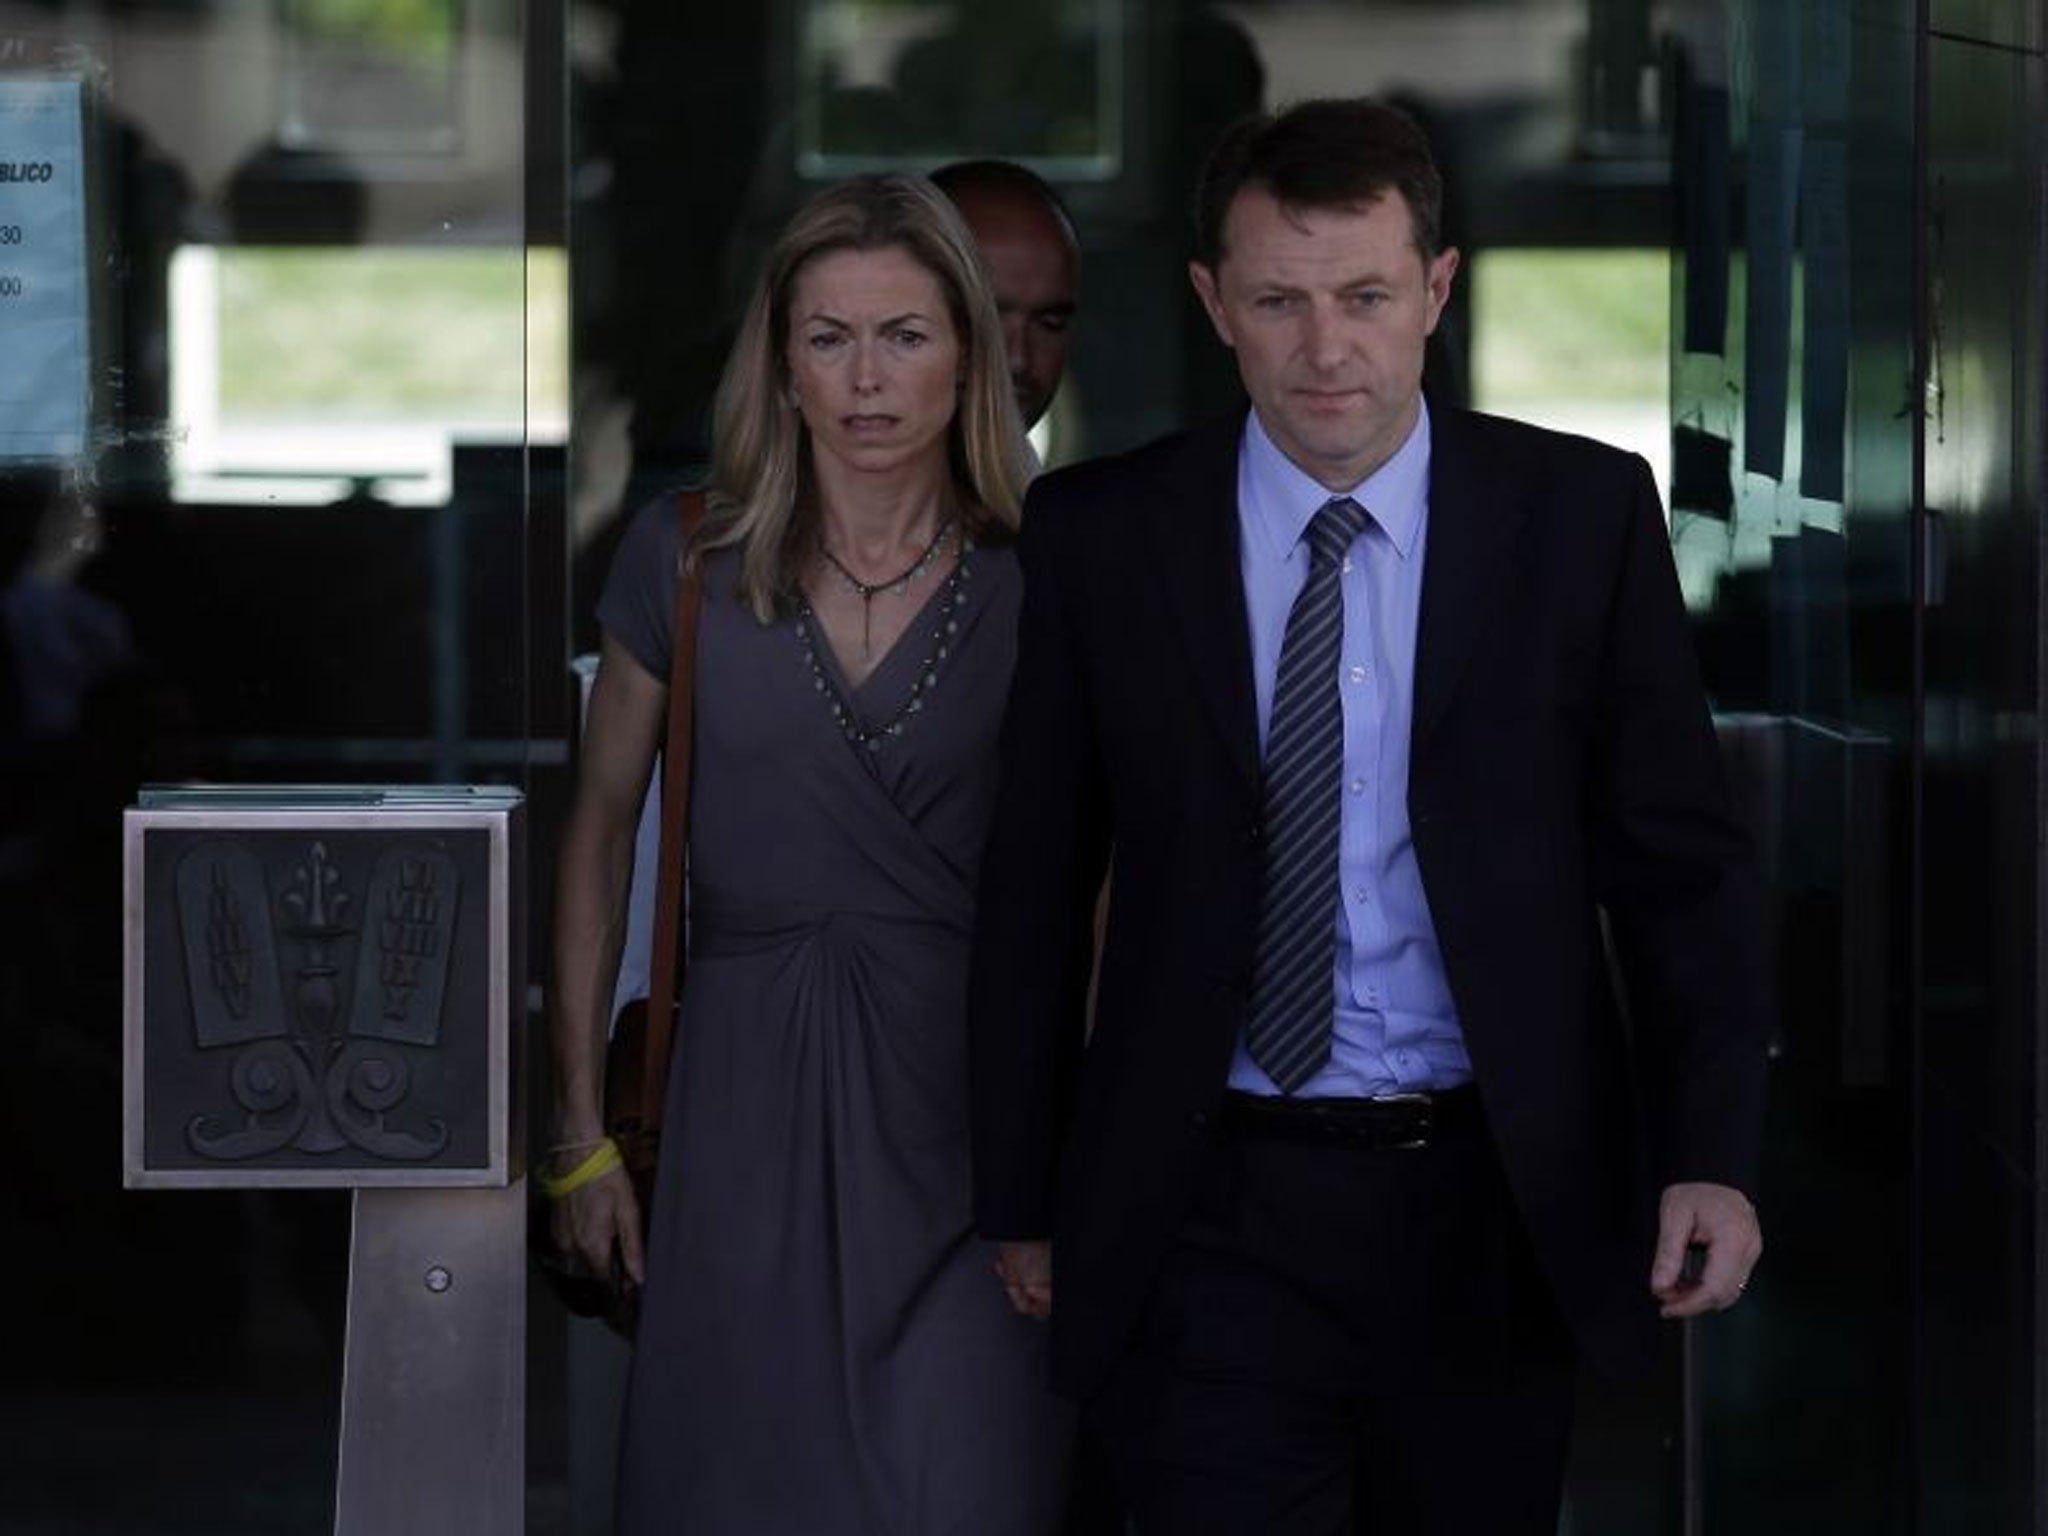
(1328, 311)
(1032, 270)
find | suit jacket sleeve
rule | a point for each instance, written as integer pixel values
(1672, 868)
(1043, 867)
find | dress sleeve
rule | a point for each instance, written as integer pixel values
(638, 605)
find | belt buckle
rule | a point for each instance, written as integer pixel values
(1425, 1119)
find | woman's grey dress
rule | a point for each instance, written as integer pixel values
(823, 1349)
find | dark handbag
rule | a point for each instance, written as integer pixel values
(643, 1037)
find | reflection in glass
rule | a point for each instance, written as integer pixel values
(296, 372)
(370, 74)
(1577, 340)
(885, 82)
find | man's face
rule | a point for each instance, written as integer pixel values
(1327, 310)
(1031, 266)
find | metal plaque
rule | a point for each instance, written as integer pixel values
(321, 987)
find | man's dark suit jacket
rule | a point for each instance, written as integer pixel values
(1563, 765)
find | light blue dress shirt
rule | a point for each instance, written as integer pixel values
(1396, 1027)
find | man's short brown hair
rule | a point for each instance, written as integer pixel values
(1327, 153)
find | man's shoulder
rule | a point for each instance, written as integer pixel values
(1198, 460)
(1521, 448)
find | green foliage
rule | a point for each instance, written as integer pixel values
(1590, 326)
(404, 28)
(466, 335)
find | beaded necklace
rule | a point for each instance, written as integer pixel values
(944, 626)
(867, 591)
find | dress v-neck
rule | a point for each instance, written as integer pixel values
(857, 694)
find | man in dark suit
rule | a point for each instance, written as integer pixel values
(1428, 1053)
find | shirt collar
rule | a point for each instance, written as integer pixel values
(1280, 497)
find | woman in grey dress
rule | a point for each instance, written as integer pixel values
(821, 1348)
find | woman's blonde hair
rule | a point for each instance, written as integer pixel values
(762, 497)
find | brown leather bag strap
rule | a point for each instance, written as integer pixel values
(666, 964)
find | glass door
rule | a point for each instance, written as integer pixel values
(277, 365)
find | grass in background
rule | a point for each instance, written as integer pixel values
(1579, 340)
(388, 334)
(1570, 325)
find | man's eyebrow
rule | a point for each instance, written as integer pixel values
(1343, 285)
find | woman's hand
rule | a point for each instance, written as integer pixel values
(1026, 1272)
(597, 1223)
(598, 1226)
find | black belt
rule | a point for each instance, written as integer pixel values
(1401, 1122)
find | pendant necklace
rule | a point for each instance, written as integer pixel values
(868, 590)
(945, 633)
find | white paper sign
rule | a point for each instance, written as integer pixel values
(45, 340)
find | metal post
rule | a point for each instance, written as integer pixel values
(434, 1382)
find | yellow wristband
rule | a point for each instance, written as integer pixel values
(600, 1162)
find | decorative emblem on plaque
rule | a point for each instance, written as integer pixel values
(230, 955)
(402, 967)
(324, 988)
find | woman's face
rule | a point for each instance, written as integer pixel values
(874, 361)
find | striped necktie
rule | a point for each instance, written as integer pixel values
(1293, 986)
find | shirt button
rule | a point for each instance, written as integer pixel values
(1360, 894)
(1357, 675)
(1358, 786)
(1347, 565)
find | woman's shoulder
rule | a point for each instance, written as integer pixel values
(637, 604)
(654, 537)
(994, 543)
(995, 554)
(653, 542)
(994, 570)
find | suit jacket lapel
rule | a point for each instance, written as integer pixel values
(1195, 536)
(1473, 517)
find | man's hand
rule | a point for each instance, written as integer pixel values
(1026, 1272)
(1720, 1221)
(599, 1226)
